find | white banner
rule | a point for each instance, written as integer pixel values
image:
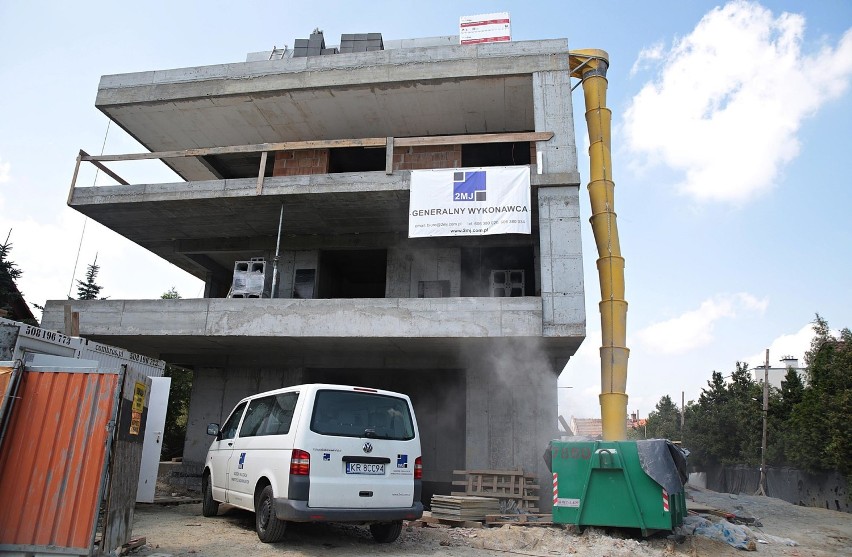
(485, 28)
(469, 201)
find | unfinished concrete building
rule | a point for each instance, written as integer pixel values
(475, 329)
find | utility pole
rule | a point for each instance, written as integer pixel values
(761, 489)
(682, 414)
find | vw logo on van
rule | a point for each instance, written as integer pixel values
(368, 448)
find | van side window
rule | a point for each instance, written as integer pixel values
(269, 415)
(230, 428)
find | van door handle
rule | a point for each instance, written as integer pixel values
(230, 443)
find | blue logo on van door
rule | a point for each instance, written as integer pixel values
(242, 461)
(326, 456)
(402, 461)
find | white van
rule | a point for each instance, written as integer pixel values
(318, 453)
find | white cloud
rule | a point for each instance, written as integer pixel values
(695, 327)
(651, 53)
(5, 171)
(730, 99)
(793, 344)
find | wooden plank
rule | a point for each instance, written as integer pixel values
(329, 144)
(512, 487)
(529, 519)
(494, 472)
(473, 138)
(74, 178)
(254, 148)
(132, 544)
(110, 173)
(427, 518)
(389, 155)
(261, 172)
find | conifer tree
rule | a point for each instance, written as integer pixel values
(89, 290)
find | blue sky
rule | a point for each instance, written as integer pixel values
(732, 151)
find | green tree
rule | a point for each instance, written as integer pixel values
(177, 411)
(725, 425)
(822, 436)
(89, 290)
(10, 296)
(664, 421)
(170, 294)
(9, 273)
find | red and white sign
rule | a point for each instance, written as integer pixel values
(665, 501)
(485, 28)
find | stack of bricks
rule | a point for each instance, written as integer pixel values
(361, 42)
(315, 46)
(296, 163)
(427, 156)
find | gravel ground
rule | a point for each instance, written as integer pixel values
(180, 530)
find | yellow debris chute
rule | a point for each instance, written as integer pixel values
(590, 67)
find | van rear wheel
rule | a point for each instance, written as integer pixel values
(386, 532)
(269, 528)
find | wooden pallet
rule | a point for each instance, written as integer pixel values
(511, 485)
(528, 519)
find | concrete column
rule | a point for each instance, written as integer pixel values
(553, 112)
(561, 262)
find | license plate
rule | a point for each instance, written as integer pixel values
(366, 469)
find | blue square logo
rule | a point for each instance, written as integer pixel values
(326, 456)
(242, 461)
(402, 461)
(469, 186)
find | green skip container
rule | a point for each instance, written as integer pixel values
(626, 484)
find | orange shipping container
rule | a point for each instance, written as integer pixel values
(53, 459)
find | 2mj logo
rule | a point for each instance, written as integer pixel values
(469, 186)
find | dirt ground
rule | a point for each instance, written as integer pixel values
(180, 530)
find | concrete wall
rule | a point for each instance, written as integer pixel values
(512, 411)
(408, 266)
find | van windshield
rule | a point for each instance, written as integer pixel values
(359, 414)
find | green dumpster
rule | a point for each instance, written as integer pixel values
(628, 484)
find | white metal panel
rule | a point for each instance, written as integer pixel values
(113, 357)
(158, 401)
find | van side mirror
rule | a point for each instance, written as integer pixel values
(213, 429)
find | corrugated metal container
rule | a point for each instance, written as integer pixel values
(19, 341)
(54, 459)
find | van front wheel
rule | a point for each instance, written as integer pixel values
(209, 506)
(269, 528)
(386, 532)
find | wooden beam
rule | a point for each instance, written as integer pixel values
(74, 178)
(255, 148)
(330, 144)
(473, 138)
(388, 156)
(261, 172)
(86, 157)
